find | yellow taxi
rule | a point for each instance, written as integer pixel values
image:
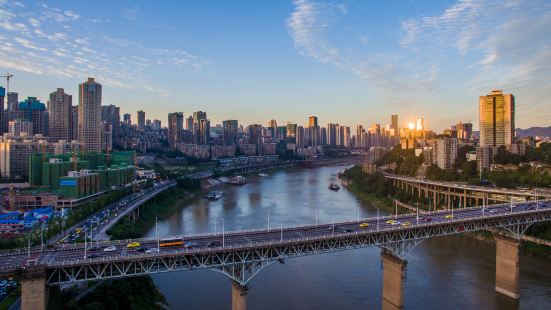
(390, 221)
(406, 224)
(364, 225)
(133, 245)
(448, 217)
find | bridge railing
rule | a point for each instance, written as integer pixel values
(280, 242)
(488, 215)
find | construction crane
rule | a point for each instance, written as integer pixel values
(8, 76)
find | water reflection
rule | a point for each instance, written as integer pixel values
(443, 273)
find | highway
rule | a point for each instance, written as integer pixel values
(542, 193)
(67, 254)
(101, 221)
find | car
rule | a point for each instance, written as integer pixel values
(507, 208)
(92, 248)
(492, 210)
(110, 248)
(427, 219)
(406, 224)
(390, 221)
(448, 216)
(189, 244)
(152, 251)
(94, 255)
(214, 244)
(364, 225)
(529, 208)
(346, 230)
(141, 249)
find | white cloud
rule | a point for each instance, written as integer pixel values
(306, 26)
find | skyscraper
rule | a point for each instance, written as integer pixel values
(189, 123)
(175, 127)
(497, 119)
(464, 130)
(110, 114)
(394, 124)
(60, 115)
(89, 115)
(34, 111)
(313, 121)
(203, 132)
(291, 133)
(332, 134)
(255, 137)
(229, 132)
(127, 119)
(300, 137)
(141, 120)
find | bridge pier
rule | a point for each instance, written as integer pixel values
(507, 266)
(34, 294)
(394, 272)
(238, 296)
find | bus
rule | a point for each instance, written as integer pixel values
(167, 242)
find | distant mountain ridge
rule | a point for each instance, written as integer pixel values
(534, 131)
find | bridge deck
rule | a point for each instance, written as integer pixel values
(73, 254)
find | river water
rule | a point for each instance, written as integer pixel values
(442, 273)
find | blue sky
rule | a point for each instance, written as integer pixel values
(351, 62)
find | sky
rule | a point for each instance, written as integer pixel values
(349, 62)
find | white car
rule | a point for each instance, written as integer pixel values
(152, 251)
(110, 248)
(492, 211)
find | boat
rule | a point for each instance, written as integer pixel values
(334, 187)
(238, 180)
(262, 174)
(213, 195)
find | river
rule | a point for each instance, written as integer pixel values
(442, 273)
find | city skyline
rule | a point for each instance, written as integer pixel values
(344, 70)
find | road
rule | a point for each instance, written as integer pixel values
(541, 193)
(75, 253)
(107, 217)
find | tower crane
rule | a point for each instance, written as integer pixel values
(8, 76)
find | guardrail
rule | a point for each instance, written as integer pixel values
(79, 246)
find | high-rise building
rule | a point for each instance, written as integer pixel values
(272, 128)
(89, 115)
(141, 120)
(156, 124)
(175, 128)
(445, 152)
(229, 132)
(203, 133)
(110, 114)
(107, 136)
(199, 115)
(255, 137)
(394, 125)
(127, 119)
(464, 131)
(497, 119)
(323, 136)
(60, 113)
(313, 121)
(332, 134)
(291, 133)
(300, 137)
(34, 111)
(189, 123)
(20, 127)
(74, 122)
(13, 101)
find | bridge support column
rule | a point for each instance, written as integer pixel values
(507, 266)
(238, 296)
(34, 294)
(394, 271)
